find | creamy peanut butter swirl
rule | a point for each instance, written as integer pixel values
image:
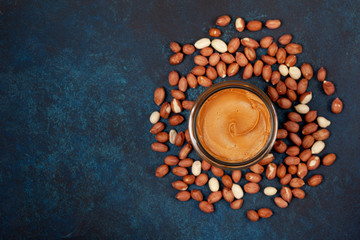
(233, 125)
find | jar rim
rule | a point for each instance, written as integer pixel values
(216, 88)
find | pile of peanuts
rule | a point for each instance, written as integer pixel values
(305, 130)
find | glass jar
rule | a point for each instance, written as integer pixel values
(232, 165)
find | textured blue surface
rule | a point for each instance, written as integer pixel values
(76, 89)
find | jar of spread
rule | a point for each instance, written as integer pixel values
(233, 125)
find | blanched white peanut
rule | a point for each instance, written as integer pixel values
(154, 117)
(294, 72)
(196, 168)
(302, 108)
(237, 191)
(284, 70)
(202, 43)
(317, 147)
(214, 184)
(172, 136)
(219, 45)
(270, 191)
(323, 122)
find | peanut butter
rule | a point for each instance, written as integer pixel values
(233, 125)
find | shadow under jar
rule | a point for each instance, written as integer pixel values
(233, 125)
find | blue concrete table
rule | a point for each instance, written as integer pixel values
(76, 89)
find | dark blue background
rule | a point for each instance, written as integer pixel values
(76, 90)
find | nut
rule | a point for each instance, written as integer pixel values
(237, 191)
(202, 179)
(270, 171)
(232, 69)
(284, 103)
(172, 136)
(323, 122)
(248, 71)
(171, 160)
(267, 159)
(252, 215)
(183, 196)
(286, 194)
(284, 70)
(239, 24)
(286, 179)
(228, 195)
(250, 53)
(308, 141)
(315, 180)
(281, 203)
(272, 50)
(173, 78)
(270, 191)
(294, 116)
(237, 204)
(265, 212)
(186, 104)
(293, 48)
(192, 81)
(280, 146)
(198, 70)
(281, 88)
(154, 117)
(254, 25)
(214, 184)
(218, 172)
(291, 94)
(189, 179)
(328, 87)
(177, 94)
(206, 207)
(302, 108)
(257, 168)
(266, 73)
(296, 183)
(290, 160)
(202, 43)
(291, 126)
(196, 168)
(221, 69)
(281, 171)
(290, 60)
(176, 58)
(214, 32)
(196, 195)
(309, 128)
(298, 193)
(265, 42)
(273, 23)
(305, 98)
(214, 59)
(222, 21)
(207, 51)
(253, 177)
(313, 163)
(226, 180)
(249, 42)
(179, 139)
(179, 185)
(329, 159)
(310, 116)
(336, 106)
(233, 45)
(236, 176)
(275, 77)
(294, 72)
(295, 139)
(268, 59)
(183, 84)
(205, 166)
(293, 151)
(162, 170)
(214, 197)
(302, 86)
(188, 49)
(307, 71)
(162, 137)
(158, 127)
(241, 59)
(219, 45)
(175, 47)
(251, 188)
(227, 58)
(317, 147)
(200, 60)
(302, 170)
(204, 81)
(285, 39)
(184, 152)
(176, 106)
(211, 73)
(159, 95)
(292, 169)
(305, 155)
(290, 83)
(321, 75)
(281, 55)
(180, 171)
